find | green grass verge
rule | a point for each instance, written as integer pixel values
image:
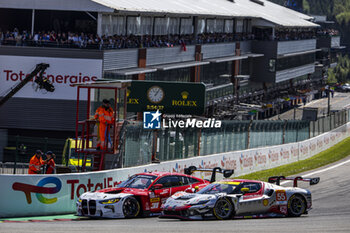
(333, 154)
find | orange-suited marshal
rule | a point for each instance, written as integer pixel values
(105, 116)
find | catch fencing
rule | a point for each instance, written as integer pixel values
(180, 143)
(175, 143)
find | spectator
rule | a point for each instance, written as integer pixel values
(84, 40)
(18, 39)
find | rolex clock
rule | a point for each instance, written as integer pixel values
(155, 94)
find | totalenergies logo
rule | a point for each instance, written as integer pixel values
(39, 189)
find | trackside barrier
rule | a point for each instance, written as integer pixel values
(28, 195)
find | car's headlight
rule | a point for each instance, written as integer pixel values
(110, 201)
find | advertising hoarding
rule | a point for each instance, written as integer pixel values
(63, 72)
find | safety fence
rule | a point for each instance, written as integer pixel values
(168, 144)
(179, 143)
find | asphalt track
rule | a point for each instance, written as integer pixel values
(330, 213)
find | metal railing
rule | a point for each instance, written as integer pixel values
(12, 168)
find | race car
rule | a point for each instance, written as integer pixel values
(140, 195)
(238, 198)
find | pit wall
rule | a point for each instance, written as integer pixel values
(34, 195)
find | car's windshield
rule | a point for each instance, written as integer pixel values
(220, 187)
(138, 182)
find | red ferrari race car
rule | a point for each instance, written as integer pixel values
(141, 195)
(236, 198)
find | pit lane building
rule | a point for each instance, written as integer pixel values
(252, 64)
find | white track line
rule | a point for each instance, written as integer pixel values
(323, 170)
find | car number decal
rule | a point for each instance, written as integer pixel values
(283, 209)
(155, 205)
(281, 195)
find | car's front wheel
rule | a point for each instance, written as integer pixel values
(296, 206)
(131, 207)
(223, 209)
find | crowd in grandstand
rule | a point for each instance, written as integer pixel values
(325, 32)
(283, 35)
(94, 41)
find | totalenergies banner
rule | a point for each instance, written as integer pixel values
(28, 195)
(63, 73)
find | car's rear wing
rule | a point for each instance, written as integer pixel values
(277, 179)
(226, 172)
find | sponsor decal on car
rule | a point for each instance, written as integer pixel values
(265, 202)
(229, 182)
(156, 199)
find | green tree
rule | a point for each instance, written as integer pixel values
(341, 73)
(331, 77)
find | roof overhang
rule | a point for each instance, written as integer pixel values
(299, 53)
(254, 55)
(132, 71)
(63, 5)
(338, 47)
(105, 84)
(180, 65)
(226, 59)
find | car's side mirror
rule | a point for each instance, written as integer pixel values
(157, 186)
(244, 190)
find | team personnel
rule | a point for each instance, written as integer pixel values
(104, 114)
(50, 163)
(35, 163)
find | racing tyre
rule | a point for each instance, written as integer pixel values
(296, 206)
(131, 207)
(223, 209)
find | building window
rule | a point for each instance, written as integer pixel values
(229, 26)
(294, 61)
(174, 24)
(186, 26)
(239, 26)
(133, 25)
(201, 26)
(161, 26)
